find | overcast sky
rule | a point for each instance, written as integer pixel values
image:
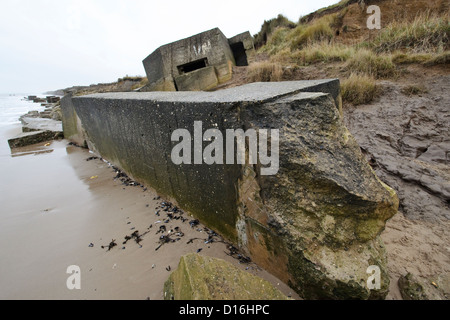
(52, 44)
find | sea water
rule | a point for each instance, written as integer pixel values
(11, 108)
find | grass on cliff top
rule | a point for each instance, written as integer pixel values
(418, 41)
(427, 33)
(423, 40)
(320, 30)
(269, 26)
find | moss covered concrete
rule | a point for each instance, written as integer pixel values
(204, 278)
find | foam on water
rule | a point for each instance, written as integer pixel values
(13, 106)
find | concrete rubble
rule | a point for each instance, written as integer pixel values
(39, 126)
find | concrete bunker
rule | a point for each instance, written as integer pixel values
(200, 62)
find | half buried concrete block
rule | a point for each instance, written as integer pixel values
(205, 278)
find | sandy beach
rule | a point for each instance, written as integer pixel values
(55, 204)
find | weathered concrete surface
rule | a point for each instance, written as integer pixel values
(204, 79)
(36, 130)
(315, 224)
(248, 45)
(205, 278)
(72, 128)
(40, 124)
(210, 46)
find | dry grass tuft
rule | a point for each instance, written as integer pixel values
(265, 71)
(426, 33)
(367, 62)
(441, 58)
(318, 31)
(359, 89)
(414, 90)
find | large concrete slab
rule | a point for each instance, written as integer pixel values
(308, 223)
(253, 92)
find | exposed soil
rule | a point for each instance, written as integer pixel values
(406, 139)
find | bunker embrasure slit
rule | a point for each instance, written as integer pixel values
(193, 65)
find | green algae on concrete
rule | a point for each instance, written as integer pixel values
(205, 278)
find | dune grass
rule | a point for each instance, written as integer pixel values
(359, 89)
(269, 27)
(423, 40)
(265, 71)
(426, 33)
(440, 58)
(365, 61)
(318, 31)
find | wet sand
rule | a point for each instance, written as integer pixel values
(55, 204)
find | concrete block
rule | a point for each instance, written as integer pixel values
(40, 124)
(29, 138)
(315, 223)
